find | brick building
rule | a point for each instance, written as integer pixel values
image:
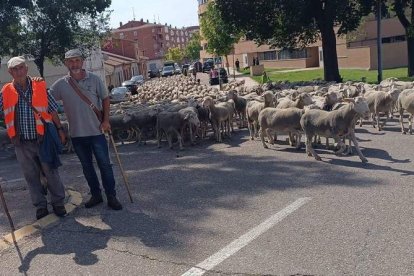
(147, 42)
(360, 52)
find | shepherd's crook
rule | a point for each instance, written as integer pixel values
(6, 210)
(120, 166)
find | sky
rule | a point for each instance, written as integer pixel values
(178, 13)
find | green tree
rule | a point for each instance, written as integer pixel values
(52, 27)
(219, 34)
(10, 24)
(193, 48)
(297, 23)
(405, 13)
(175, 54)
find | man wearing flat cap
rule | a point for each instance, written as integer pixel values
(86, 104)
(25, 103)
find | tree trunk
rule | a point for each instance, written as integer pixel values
(39, 64)
(227, 65)
(330, 57)
(410, 49)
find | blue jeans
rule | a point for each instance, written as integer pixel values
(84, 147)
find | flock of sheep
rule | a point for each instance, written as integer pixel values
(178, 107)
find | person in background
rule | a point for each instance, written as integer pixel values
(86, 129)
(265, 78)
(237, 65)
(26, 130)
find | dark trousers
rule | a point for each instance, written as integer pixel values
(98, 146)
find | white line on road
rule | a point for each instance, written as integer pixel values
(14, 180)
(245, 239)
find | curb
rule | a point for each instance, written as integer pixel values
(75, 199)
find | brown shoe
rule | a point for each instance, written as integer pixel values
(93, 201)
(41, 213)
(114, 203)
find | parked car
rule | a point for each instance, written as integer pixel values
(207, 66)
(177, 69)
(153, 73)
(191, 67)
(214, 79)
(167, 71)
(119, 94)
(132, 86)
(138, 79)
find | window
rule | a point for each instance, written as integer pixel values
(283, 54)
(135, 33)
(121, 35)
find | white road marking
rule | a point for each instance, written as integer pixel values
(14, 180)
(245, 239)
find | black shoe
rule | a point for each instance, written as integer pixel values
(41, 213)
(59, 211)
(93, 201)
(114, 203)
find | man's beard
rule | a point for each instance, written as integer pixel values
(76, 71)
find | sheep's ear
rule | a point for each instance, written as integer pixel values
(349, 100)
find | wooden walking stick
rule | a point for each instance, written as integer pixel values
(120, 166)
(6, 210)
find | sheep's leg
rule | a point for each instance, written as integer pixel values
(385, 120)
(354, 140)
(327, 142)
(159, 135)
(269, 136)
(169, 139)
(373, 119)
(250, 126)
(180, 138)
(342, 146)
(349, 149)
(298, 140)
(291, 139)
(310, 150)
(402, 121)
(410, 123)
(377, 115)
(256, 129)
(262, 133)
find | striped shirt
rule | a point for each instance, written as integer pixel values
(26, 118)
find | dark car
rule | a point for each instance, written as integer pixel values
(207, 66)
(153, 73)
(167, 71)
(138, 79)
(132, 86)
(223, 77)
(119, 94)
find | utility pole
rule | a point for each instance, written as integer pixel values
(379, 41)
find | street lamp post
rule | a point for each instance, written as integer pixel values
(379, 41)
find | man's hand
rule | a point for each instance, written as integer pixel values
(36, 79)
(62, 136)
(105, 126)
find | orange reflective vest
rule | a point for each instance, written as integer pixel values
(39, 101)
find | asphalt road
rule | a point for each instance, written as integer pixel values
(234, 208)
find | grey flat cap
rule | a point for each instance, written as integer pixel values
(14, 61)
(73, 53)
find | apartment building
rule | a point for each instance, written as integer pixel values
(360, 52)
(147, 42)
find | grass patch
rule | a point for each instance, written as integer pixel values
(346, 74)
